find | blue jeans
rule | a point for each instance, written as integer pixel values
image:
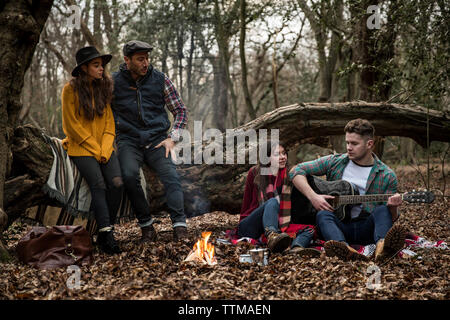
(265, 216)
(303, 238)
(131, 158)
(363, 232)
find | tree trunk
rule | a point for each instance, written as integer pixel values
(4, 256)
(220, 187)
(320, 34)
(328, 80)
(180, 56)
(109, 15)
(220, 94)
(276, 101)
(189, 66)
(97, 32)
(373, 51)
(85, 29)
(334, 57)
(245, 90)
(22, 23)
(363, 43)
(223, 36)
(164, 57)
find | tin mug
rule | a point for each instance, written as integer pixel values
(259, 256)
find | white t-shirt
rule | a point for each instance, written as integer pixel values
(358, 176)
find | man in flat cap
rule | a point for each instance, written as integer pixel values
(142, 130)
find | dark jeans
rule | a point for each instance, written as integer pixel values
(105, 183)
(364, 232)
(265, 216)
(131, 159)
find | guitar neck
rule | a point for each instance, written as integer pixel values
(363, 198)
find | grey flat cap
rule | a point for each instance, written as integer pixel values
(134, 46)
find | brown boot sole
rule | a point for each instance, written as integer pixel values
(282, 244)
(393, 242)
(339, 249)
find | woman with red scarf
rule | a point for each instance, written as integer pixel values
(266, 205)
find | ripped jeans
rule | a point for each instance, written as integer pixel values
(106, 186)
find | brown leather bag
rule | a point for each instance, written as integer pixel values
(58, 246)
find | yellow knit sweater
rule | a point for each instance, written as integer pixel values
(86, 137)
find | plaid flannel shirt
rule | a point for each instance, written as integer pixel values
(382, 180)
(176, 107)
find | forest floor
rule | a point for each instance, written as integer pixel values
(157, 270)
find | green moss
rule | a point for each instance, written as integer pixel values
(4, 255)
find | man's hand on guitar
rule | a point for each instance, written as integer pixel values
(395, 200)
(319, 202)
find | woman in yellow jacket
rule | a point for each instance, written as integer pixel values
(90, 131)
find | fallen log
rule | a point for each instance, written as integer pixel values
(220, 186)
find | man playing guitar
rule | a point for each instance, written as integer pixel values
(370, 222)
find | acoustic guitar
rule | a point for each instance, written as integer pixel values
(346, 195)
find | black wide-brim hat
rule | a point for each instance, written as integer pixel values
(87, 54)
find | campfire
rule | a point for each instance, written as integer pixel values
(203, 251)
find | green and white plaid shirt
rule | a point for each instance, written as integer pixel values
(382, 180)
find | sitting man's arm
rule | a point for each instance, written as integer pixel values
(317, 167)
(394, 201)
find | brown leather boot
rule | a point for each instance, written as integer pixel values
(149, 234)
(277, 242)
(343, 251)
(180, 234)
(392, 243)
(107, 243)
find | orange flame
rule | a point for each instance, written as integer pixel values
(203, 251)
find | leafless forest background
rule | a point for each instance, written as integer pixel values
(235, 60)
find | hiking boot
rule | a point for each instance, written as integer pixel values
(305, 252)
(277, 242)
(107, 243)
(149, 234)
(180, 234)
(343, 251)
(392, 243)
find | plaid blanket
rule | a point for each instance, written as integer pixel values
(412, 241)
(66, 185)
